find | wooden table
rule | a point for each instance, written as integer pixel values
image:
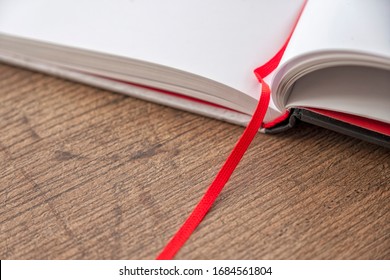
(90, 174)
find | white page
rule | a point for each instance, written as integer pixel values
(359, 30)
(361, 91)
(223, 40)
(342, 25)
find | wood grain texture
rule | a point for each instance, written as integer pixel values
(90, 174)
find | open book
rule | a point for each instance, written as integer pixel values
(200, 55)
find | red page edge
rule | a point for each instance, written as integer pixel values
(370, 124)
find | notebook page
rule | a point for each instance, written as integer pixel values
(335, 32)
(345, 25)
(361, 91)
(223, 40)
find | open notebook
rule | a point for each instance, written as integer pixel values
(200, 55)
(323, 62)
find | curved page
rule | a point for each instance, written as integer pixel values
(220, 40)
(331, 33)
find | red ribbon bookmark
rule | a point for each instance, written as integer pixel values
(220, 180)
(232, 161)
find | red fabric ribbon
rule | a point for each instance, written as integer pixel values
(220, 180)
(232, 161)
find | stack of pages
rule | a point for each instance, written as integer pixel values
(200, 55)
